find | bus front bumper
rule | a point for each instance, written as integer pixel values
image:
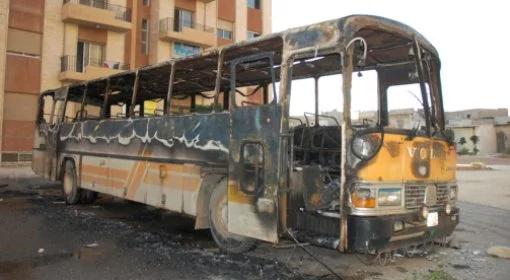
(376, 234)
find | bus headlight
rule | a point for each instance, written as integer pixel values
(365, 146)
(389, 197)
(425, 212)
(363, 198)
(448, 209)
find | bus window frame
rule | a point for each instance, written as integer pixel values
(192, 95)
(247, 59)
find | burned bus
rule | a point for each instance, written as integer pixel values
(212, 136)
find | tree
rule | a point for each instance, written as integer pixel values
(475, 139)
(462, 141)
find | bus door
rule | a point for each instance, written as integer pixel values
(254, 149)
(45, 148)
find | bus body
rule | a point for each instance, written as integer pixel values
(210, 136)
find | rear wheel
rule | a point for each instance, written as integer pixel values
(218, 217)
(70, 189)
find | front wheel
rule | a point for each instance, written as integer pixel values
(73, 194)
(218, 217)
(70, 189)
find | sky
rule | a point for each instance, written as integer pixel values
(469, 35)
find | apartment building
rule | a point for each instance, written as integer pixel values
(50, 43)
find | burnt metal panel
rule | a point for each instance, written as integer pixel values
(195, 138)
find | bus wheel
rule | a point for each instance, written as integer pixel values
(70, 189)
(230, 243)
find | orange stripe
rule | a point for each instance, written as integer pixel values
(139, 170)
(96, 170)
(102, 181)
(174, 181)
(103, 171)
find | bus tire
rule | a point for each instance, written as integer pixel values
(70, 189)
(229, 243)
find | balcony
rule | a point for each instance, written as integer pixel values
(72, 69)
(98, 14)
(192, 33)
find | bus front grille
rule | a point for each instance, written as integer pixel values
(415, 196)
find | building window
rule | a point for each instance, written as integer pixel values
(88, 53)
(181, 50)
(225, 34)
(252, 34)
(183, 18)
(146, 2)
(145, 36)
(254, 4)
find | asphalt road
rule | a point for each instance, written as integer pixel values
(42, 238)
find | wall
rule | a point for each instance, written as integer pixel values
(22, 76)
(465, 132)
(4, 23)
(227, 10)
(487, 135)
(115, 46)
(267, 16)
(241, 27)
(487, 138)
(505, 131)
(166, 10)
(53, 45)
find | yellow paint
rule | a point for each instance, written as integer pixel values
(236, 195)
(394, 162)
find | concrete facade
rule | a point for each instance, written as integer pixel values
(491, 126)
(503, 137)
(4, 23)
(40, 47)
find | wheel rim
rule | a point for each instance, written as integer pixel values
(68, 183)
(221, 216)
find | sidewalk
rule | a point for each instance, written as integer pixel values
(13, 173)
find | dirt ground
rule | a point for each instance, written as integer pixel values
(42, 238)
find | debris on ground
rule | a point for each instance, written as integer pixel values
(40, 251)
(499, 252)
(92, 245)
(473, 166)
(58, 202)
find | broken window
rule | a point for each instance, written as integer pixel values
(194, 86)
(94, 100)
(252, 159)
(46, 109)
(364, 99)
(73, 104)
(119, 97)
(254, 78)
(405, 106)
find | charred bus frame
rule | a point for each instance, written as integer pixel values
(238, 166)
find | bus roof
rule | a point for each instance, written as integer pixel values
(334, 34)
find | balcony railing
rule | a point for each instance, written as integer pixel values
(76, 64)
(173, 25)
(121, 13)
